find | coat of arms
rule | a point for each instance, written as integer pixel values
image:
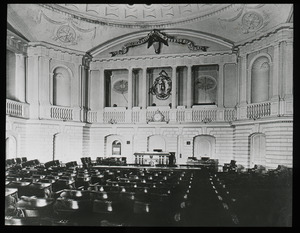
(162, 86)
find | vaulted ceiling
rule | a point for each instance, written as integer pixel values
(85, 27)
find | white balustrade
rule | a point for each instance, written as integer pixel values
(135, 116)
(258, 110)
(229, 114)
(180, 115)
(114, 115)
(17, 109)
(61, 113)
(92, 116)
(204, 115)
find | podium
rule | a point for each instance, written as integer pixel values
(152, 158)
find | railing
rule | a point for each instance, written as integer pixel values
(180, 115)
(229, 114)
(256, 111)
(92, 116)
(135, 116)
(61, 113)
(114, 115)
(17, 109)
(205, 115)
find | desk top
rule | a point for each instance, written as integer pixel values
(10, 191)
(34, 203)
(152, 153)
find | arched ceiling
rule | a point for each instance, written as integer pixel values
(84, 27)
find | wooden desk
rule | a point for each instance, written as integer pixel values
(36, 207)
(152, 158)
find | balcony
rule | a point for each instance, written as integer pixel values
(114, 115)
(17, 109)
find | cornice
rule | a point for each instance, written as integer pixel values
(269, 34)
(165, 60)
(16, 43)
(284, 119)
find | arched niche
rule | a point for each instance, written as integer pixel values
(61, 87)
(204, 146)
(156, 142)
(257, 149)
(10, 147)
(114, 145)
(260, 79)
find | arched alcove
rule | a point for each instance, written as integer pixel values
(156, 142)
(260, 81)
(116, 147)
(257, 149)
(10, 147)
(113, 145)
(204, 146)
(61, 87)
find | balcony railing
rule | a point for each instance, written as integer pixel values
(17, 109)
(114, 115)
(205, 115)
(259, 110)
(229, 114)
(61, 113)
(92, 116)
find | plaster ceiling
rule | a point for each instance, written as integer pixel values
(84, 27)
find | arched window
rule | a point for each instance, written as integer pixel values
(257, 149)
(61, 87)
(116, 147)
(260, 73)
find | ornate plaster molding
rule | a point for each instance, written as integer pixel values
(155, 38)
(138, 17)
(172, 32)
(16, 43)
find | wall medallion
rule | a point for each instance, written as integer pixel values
(252, 21)
(121, 86)
(162, 86)
(206, 83)
(66, 34)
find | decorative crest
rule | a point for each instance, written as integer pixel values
(162, 86)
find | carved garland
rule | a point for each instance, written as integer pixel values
(155, 38)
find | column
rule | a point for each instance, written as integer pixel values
(275, 71)
(144, 91)
(20, 77)
(44, 87)
(189, 96)
(221, 86)
(288, 77)
(288, 69)
(32, 88)
(243, 80)
(130, 88)
(174, 88)
(102, 89)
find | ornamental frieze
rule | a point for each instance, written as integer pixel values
(155, 38)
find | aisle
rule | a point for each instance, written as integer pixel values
(205, 209)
